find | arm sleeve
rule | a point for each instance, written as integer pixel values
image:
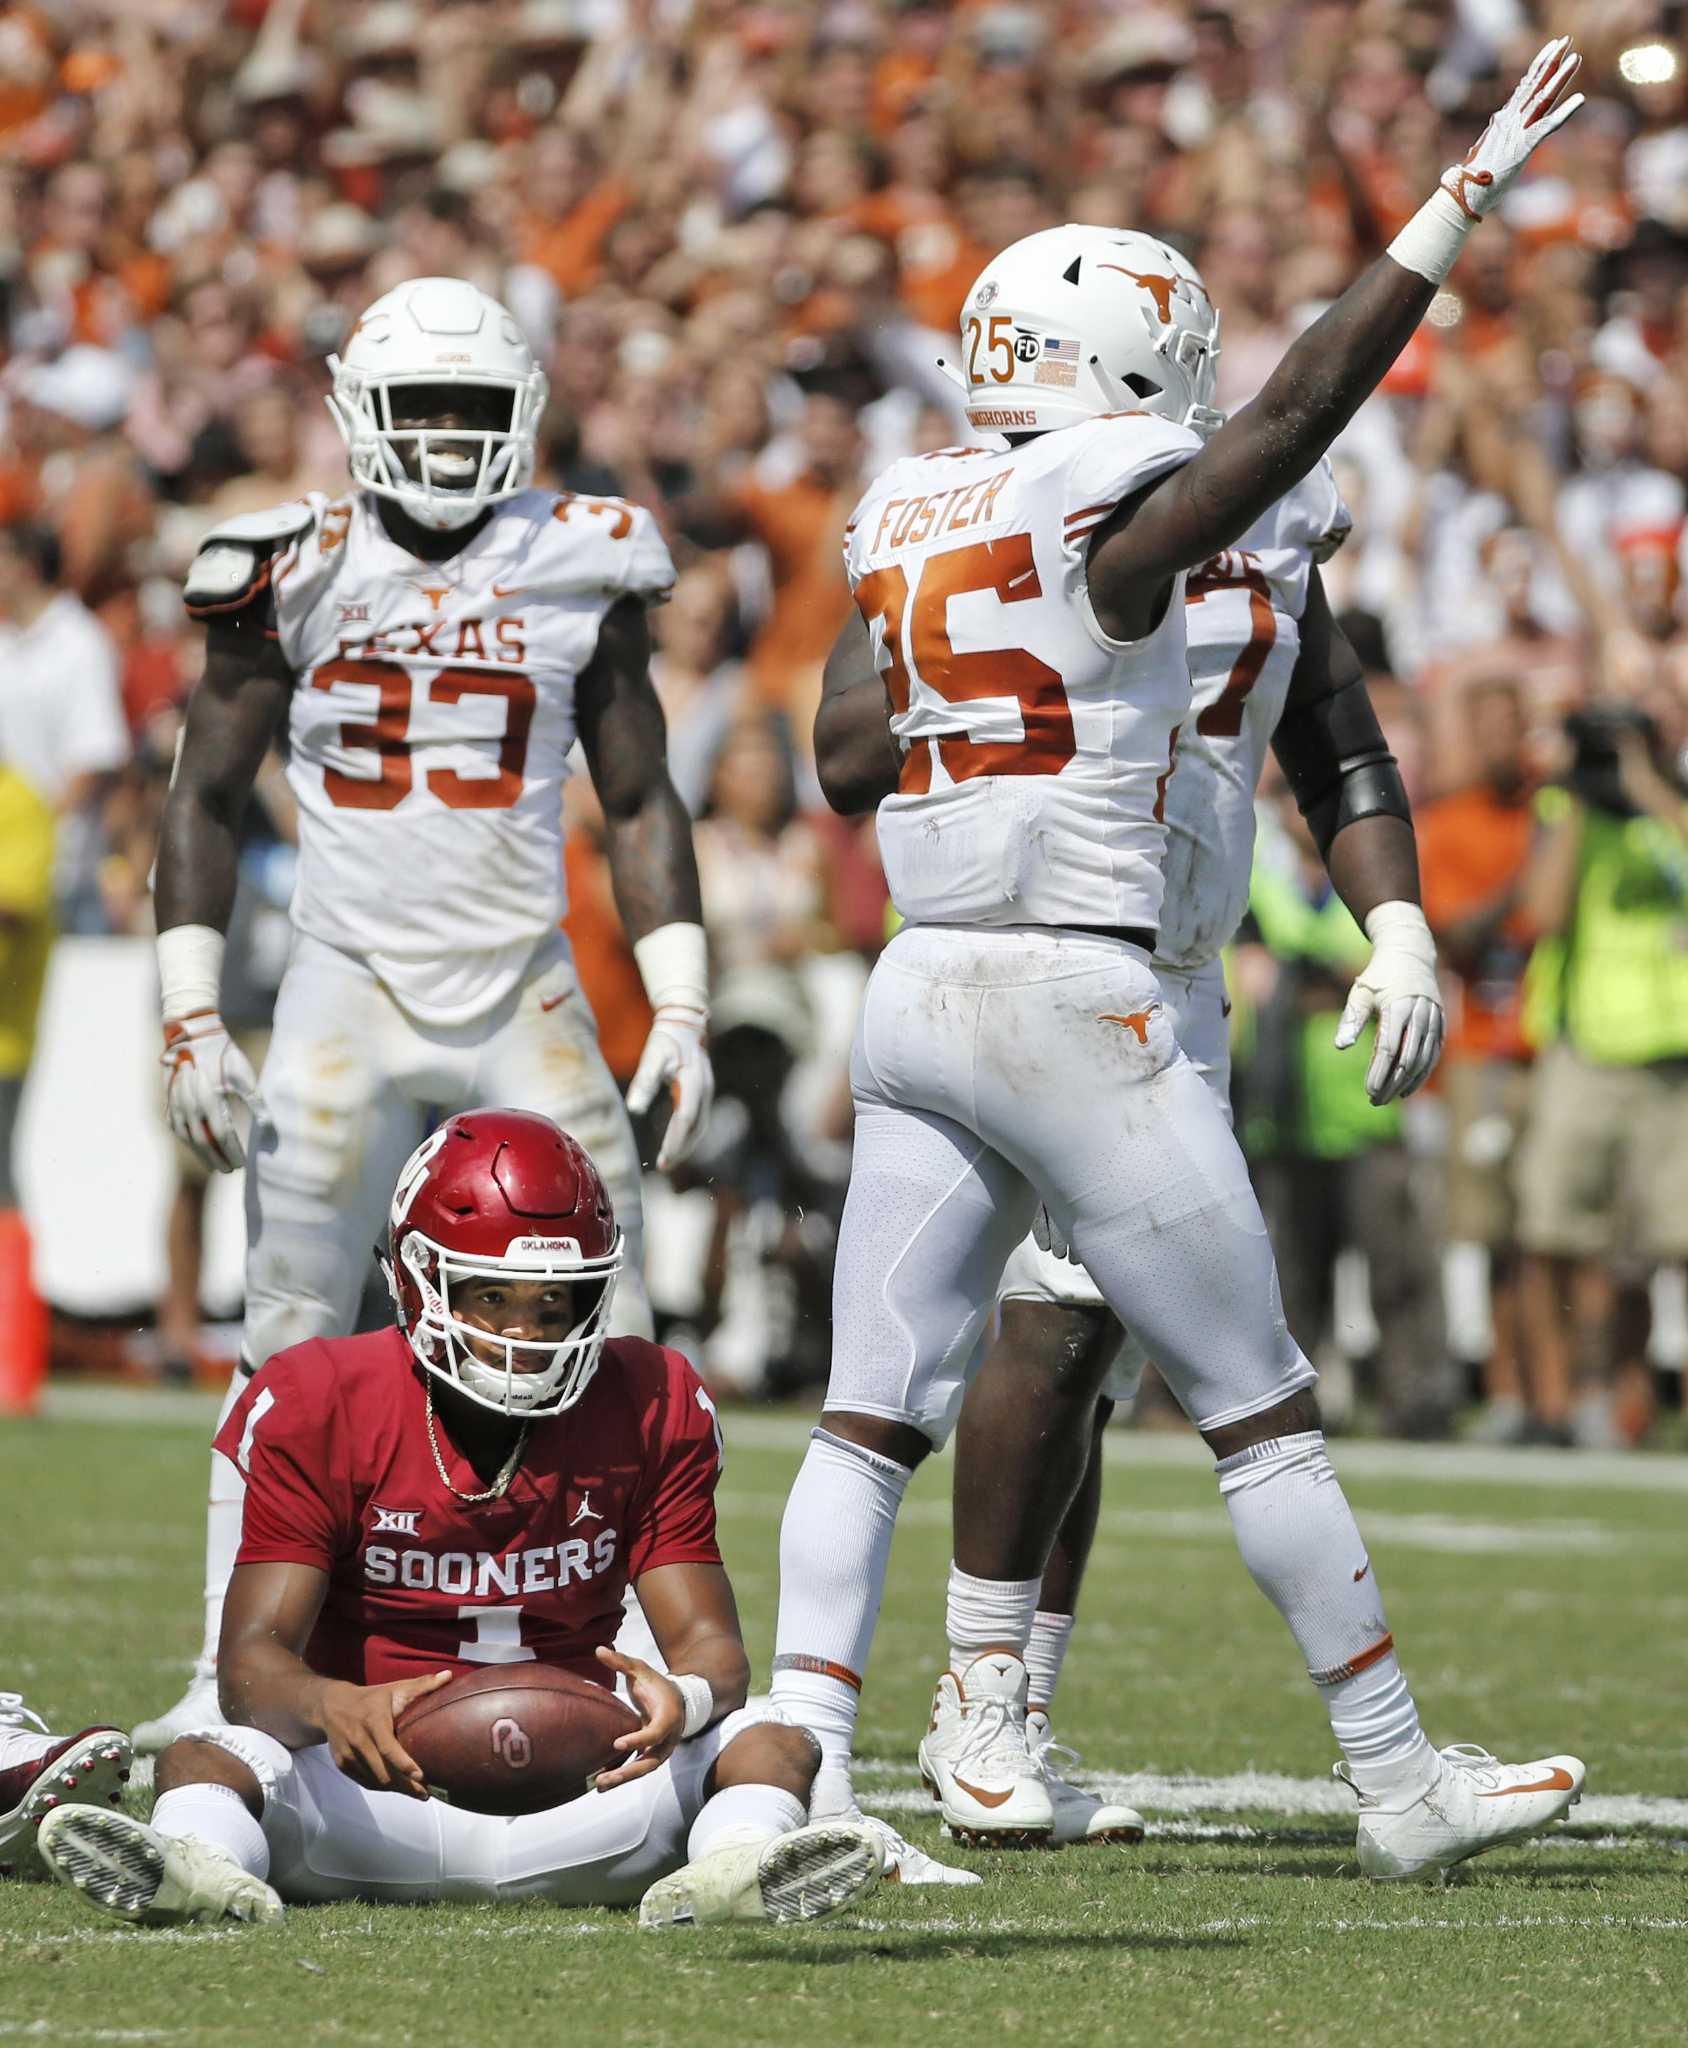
(673, 1521)
(280, 1434)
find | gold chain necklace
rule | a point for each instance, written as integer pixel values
(507, 1471)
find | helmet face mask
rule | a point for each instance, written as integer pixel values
(438, 399)
(506, 1198)
(519, 1376)
(1077, 321)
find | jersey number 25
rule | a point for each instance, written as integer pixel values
(1004, 566)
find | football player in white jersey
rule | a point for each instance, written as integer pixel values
(1268, 667)
(1026, 610)
(431, 645)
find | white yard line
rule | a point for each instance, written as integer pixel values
(782, 1430)
(1270, 1792)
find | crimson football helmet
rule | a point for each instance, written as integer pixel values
(503, 1194)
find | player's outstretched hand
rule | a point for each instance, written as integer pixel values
(208, 1073)
(357, 1724)
(663, 1705)
(674, 1053)
(1532, 114)
(1398, 987)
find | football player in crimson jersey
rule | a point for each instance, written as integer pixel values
(1025, 609)
(475, 1485)
(431, 645)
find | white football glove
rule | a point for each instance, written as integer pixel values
(674, 1053)
(208, 1073)
(1527, 120)
(1398, 986)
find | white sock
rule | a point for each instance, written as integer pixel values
(1298, 1538)
(1046, 1652)
(987, 1614)
(227, 1500)
(835, 1548)
(743, 1807)
(217, 1815)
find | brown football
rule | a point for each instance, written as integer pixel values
(514, 1738)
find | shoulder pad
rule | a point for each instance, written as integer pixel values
(233, 563)
(276, 522)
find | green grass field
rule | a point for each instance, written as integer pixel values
(1540, 1604)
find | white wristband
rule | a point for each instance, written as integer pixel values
(674, 966)
(1402, 924)
(699, 1696)
(1431, 241)
(190, 969)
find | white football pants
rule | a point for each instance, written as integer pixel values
(995, 1067)
(352, 1085)
(331, 1839)
(1200, 1015)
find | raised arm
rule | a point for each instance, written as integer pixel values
(1271, 443)
(1345, 780)
(233, 718)
(856, 758)
(648, 841)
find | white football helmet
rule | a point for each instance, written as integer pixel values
(1076, 321)
(425, 333)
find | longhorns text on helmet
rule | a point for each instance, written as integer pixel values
(437, 331)
(1077, 321)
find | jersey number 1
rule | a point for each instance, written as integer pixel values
(1004, 566)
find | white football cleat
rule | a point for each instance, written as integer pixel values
(196, 1709)
(1079, 1815)
(1473, 1803)
(42, 1771)
(907, 1863)
(127, 1868)
(804, 1875)
(975, 1760)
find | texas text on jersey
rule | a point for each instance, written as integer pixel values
(431, 721)
(334, 1440)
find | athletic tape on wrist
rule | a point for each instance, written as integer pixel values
(674, 966)
(1431, 241)
(699, 1696)
(1403, 924)
(190, 969)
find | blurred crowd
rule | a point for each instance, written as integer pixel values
(738, 236)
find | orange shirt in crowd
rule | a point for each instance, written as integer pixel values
(801, 524)
(1470, 846)
(572, 249)
(603, 959)
(935, 260)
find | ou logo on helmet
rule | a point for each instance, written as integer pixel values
(511, 1743)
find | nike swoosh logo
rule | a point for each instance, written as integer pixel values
(1360, 1574)
(984, 1798)
(551, 1002)
(1555, 1781)
(514, 590)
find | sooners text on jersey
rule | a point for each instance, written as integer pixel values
(1243, 627)
(332, 1437)
(1037, 748)
(430, 730)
